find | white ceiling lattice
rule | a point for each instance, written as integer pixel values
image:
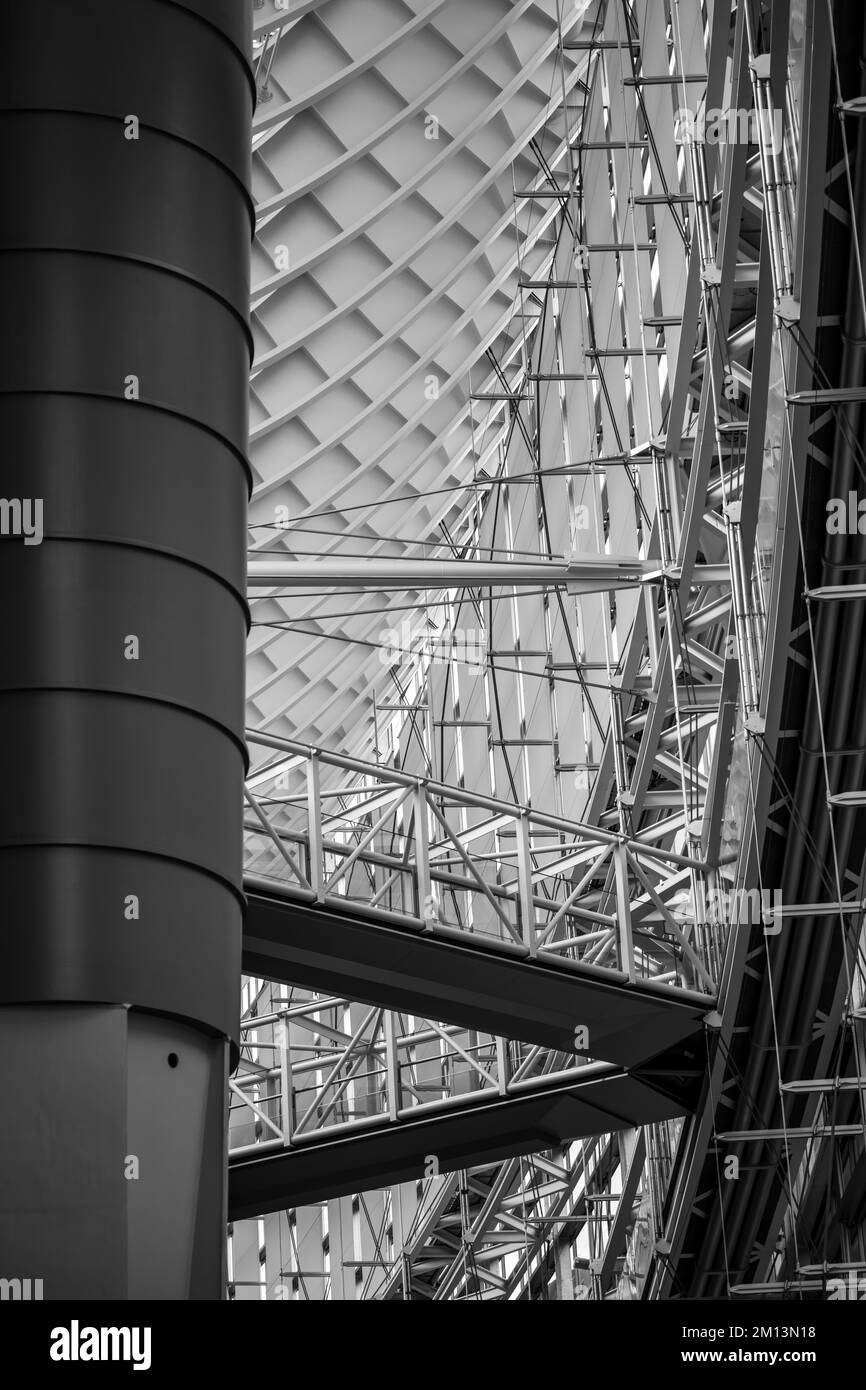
(390, 140)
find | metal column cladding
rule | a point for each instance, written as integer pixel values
(124, 364)
(124, 361)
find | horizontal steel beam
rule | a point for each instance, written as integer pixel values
(594, 575)
(582, 575)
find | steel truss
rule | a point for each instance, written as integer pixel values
(791, 1226)
(677, 253)
(401, 849)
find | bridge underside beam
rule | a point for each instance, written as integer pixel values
(456, 982)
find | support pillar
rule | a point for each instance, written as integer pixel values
(124, 362)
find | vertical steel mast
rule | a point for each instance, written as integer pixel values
(124, 363)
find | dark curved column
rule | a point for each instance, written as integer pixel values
(124, 361)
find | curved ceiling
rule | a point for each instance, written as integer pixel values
(394, 147)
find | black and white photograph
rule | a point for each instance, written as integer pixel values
(433, 674)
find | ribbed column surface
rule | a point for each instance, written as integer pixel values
(124, 363)
(124, 359)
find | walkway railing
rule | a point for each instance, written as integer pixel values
(324, 1067)
(378, 843)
